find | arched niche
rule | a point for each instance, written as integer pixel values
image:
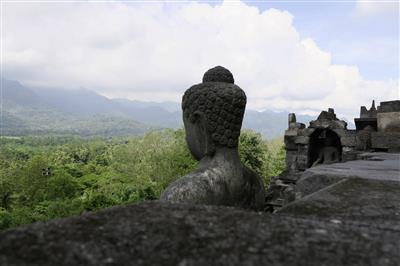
(325, 146)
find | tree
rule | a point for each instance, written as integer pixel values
(34, 180)
(61, 185)
(6, 191)
(252, 151)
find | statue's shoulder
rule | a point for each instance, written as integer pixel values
(254, 189)
(196, 187)
(252, 177)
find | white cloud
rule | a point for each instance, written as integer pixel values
(154, 51)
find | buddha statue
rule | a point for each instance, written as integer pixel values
(212, 115)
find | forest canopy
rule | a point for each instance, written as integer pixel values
(42, 178)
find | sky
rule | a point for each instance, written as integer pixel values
(297, 56)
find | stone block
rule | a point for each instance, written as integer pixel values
(308, 131)
(385, 140)
(350, 132)
(389, 106)
(347, 149)
(363, 140)
(302, 140)
(302, 149)
(340, 132)
(348, 141)
(302, 157)
(291, 161)
(350, 155)
(296, 161)
(389, 122)
(331, 124)
(302, 162)
(361, 123)
(295, 125)
(290, 142)
(291, 132)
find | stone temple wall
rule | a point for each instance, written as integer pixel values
(377, 129)
(388, 122)
(303, 144)
(327, 140)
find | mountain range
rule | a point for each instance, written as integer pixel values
(37, 111)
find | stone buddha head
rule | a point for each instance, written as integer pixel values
(213, 113)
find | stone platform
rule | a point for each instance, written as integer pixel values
(354, 198)
(371, 166)
(156, 233)
(349, 214)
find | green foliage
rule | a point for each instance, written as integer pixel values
(252, 151)
(61, 185)
(43, 178)
(6, 191)
(5, 219)
(33, 183)
(276, 155)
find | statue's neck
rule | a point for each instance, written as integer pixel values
(223, 157)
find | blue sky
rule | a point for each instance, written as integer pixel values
(288, 56)
(369, 40)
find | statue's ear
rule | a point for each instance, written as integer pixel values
(202, 122)
(197, 117)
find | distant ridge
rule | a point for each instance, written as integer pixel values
(34, 110)
(26, 112)
(84, 103)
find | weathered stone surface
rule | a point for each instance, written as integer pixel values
(354, 199)
(328, 124)
(310, 182)
(361, 123)
(290, 143)
(308, 131)
(291, 132)
(302, 140)
(382, 166)
(156, 233)
(292, 123)
(386, 140)
(379, 166)
(349, 154)
(363, 139)
(389, 106)
(290, 177)
(302, 161)
(389, 122)
(371, 113)
(341, 132)
(296, 125)
(291, 160)
(348, 141)
(328, 119)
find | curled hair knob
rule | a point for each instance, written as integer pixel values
(218, 74)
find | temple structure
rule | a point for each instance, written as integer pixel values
(328, 140)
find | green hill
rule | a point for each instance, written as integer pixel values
(25, 113)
